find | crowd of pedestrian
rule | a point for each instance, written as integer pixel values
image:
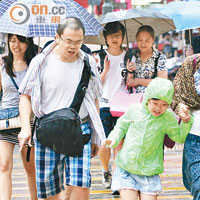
(48, 82)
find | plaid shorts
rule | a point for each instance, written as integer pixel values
(50, 168)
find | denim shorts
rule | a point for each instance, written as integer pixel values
(122, 179)
(191, 165)
(108, 120)
(50, 168)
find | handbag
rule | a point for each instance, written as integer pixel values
(9, 117)
(122, 100)
(61, 130)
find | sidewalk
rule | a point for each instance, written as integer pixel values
(173, 188)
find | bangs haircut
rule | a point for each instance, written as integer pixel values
(29, 53)
(113, 27)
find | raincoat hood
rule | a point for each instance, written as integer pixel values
(159, 88)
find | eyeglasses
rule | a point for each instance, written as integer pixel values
(112, 36)
(70, 43)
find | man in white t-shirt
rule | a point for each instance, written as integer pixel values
(112, 78)
(50, 85)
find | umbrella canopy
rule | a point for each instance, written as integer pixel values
(185, 14)
(39, 18)
(132, 19)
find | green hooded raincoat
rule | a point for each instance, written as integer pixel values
(142, 151)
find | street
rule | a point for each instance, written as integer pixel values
(173, 188)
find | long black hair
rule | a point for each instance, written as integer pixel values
(29, 53)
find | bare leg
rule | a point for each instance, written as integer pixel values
(55, 197)
(148, 197)
(104, 156)
(116, 150)
(30, 172)
(65, 195)
(6, 166)
(79, 193)
(127, 194)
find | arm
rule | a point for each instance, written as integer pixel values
(106, 68)
(94, 147)
(25, 115)
(176, 132)
(120, 129)
(142, 81)
(162, 73)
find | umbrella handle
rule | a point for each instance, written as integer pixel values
(126, 33)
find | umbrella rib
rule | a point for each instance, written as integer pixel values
(167, 22)
(137, 21)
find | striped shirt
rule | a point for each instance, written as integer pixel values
(31, 85)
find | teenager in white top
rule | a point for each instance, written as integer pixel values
(112, 77)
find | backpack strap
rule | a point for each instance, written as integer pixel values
(102, 54)
(155, 66)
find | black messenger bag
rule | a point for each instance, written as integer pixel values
(61, 130)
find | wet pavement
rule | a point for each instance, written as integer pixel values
(171, 179)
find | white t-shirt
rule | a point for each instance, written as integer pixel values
(196, 124)
(59, 83)
(114, 78)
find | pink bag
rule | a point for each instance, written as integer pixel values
(122, 100)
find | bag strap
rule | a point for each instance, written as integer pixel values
(82, 86)
(155, 65)
(15, 84)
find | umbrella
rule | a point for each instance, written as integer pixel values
(132, 19)
(39, 18)
(185, 14)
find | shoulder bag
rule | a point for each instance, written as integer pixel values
(9, 117)
(61, 130)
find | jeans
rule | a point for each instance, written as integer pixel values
(191, 165)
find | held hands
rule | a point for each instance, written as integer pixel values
(183, 112)
(109, 143)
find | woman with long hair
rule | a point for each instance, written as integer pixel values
(20, 52)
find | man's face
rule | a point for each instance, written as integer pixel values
(157, 107)
(70, 42)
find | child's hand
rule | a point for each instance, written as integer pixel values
(183, 112)
(109, 143)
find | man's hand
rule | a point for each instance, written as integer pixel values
(24, 135)
(183, 112)
(94, 150)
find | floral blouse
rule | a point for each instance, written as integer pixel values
(147, 69)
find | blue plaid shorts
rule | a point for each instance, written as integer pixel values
(50, 168)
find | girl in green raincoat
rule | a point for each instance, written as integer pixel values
(144, 125)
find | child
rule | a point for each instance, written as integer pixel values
(144, 125)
